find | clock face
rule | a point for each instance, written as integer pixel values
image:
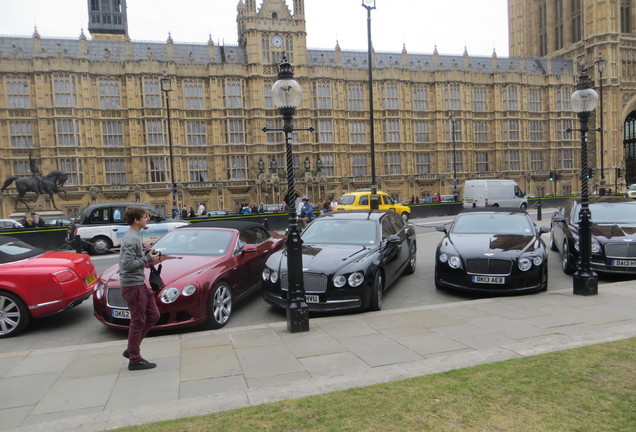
(277, 41)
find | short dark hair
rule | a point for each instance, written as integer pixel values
(133, 213)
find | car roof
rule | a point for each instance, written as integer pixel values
(240, 226)
(7, 258)
(605, 199)
(492, 210)
(363, 192)
(355, 214)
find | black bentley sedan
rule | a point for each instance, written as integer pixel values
(350, 258)
(613, 234)
(492, 250)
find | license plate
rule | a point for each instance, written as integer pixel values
(121, 313)
(312, 299)
(90, 280)
(489, 279)
(624, 263)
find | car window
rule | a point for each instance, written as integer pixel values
(100, 215)
(387, 200)
(254, 235)
(340, 231)
(396, 221)
(347, 199)
(118, 214)
(619, 212)
(492, 223)
(364, 200)
(387, 228)
(195, 242)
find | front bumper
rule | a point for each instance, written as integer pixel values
(326, 304)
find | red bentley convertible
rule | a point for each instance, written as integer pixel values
(35, 283)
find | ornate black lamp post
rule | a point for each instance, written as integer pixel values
(273, 165)
(286, 96)
(600, 65)
(584, 101)
(453, 117)
(369, 5)
(166, 87)
(261, 165)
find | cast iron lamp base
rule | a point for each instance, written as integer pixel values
(585, 284)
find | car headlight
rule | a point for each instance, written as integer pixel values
(595, 247)
(170, 295)
(265, 274)
(356, 279)
(99, 291)
(454, 262)
(339, 281)
(443, 257)
(524, 264)
(188, 290)
(538, 260)
(273, 276)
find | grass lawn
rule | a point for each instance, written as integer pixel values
(584, 389)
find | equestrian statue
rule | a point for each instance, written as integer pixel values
(50, 184)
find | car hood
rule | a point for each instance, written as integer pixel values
(501, 245)
(322, 258)
(171, 270)
(610, 231)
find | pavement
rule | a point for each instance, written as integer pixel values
(89, 387)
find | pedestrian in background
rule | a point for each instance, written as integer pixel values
(139, 296)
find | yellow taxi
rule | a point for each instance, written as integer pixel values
(631, 191)
(359, 200)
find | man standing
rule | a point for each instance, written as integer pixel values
(140, 298)
(201, 209)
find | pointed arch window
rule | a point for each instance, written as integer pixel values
(626, 16)
(577, 33)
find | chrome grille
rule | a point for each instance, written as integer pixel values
(312, 282)
(114, 298)
(488, 266)
(620, 250)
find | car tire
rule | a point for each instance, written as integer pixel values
(377, 292)
(220, 305)
(410, 267)
(524, 206)
(553, 246)
(566, 261)
(100, 246)
(14, 315)
(405, 216)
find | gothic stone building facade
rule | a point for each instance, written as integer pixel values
(94, 108)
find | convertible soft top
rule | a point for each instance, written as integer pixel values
(232, 224)
(13, 249)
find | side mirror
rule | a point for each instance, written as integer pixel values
(393, 239)
(558, 218)
(441, 228)
(544, 230)
(248, 248)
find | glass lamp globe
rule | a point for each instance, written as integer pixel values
(584, 100)
(286, 93)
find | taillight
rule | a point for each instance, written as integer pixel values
(64, 276)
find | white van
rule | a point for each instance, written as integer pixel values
(494, 193)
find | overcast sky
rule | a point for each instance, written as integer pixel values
(451, 25)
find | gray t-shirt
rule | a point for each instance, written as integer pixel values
(132, 260)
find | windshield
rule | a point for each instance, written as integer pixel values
(347, 199)
(620, 212)
(195, 242)
(492, 223)
(340, 231)
(632, 187)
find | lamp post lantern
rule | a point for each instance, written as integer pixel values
(166, 87)
(286, 96)
(272, 165)
(453, 117)
(374, 204)
(584, 101)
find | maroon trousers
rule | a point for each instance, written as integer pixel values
(143, 315)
